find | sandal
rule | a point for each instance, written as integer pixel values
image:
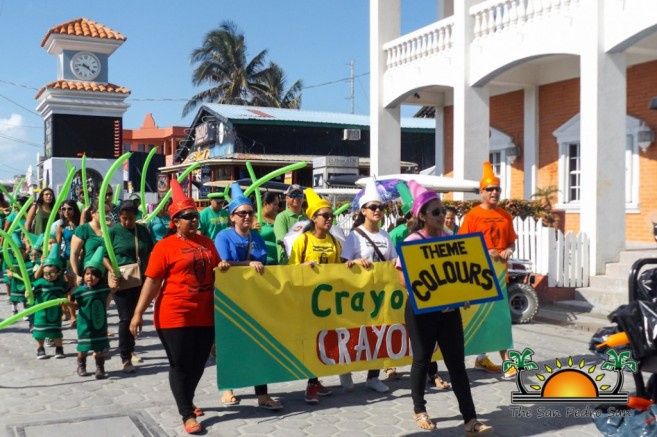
(270, 404)
(391, 373)
(475, 428)
(197, 411)
(440, 383)
(231, 399)
(424, 421)
(191, 426)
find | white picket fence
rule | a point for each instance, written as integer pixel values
(563, 258)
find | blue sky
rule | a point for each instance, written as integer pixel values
(311, 40)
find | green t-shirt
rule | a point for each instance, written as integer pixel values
(123, 243)
(211, 222)
(282, 225)
(91, 242)
(267, 234)
(399, 234)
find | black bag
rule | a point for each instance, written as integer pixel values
(639, 320)
(647, 286)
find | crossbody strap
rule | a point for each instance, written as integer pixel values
(137, 246)
(367, 237)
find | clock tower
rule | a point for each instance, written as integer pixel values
(82, 110)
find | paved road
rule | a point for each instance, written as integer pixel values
(47, 398)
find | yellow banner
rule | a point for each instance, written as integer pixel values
(446, 272)
(295, 322)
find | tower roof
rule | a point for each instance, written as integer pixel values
(85, 28)
(83, 86)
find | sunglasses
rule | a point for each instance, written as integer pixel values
(109, 193)
(438, 211)
(375, 207)
(50, 274)
(189, 216)
(491, 189)
(243, 214)
(327, 216)
(295, 195)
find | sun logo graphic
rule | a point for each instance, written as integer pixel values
(574, 383)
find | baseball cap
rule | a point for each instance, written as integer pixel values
(294, 188)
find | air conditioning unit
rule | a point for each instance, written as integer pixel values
(351, 135)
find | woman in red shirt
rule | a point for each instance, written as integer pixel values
(180, 273)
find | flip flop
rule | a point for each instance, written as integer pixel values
(441, 384)
(197, 411)
(232, 401)
(271, 404)
(424, 421)
(193, 428)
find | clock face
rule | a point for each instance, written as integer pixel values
(85, 66)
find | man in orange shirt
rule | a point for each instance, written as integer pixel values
(497, 226)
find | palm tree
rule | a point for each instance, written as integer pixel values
(233, 79)
(618, 362)
(275, 94)
(521, 362)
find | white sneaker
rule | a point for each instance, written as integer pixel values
(346, 381)
(376, 385)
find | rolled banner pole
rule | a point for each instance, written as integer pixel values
(12, 227)
(103, 223)
(273, 174)
(32, 310)
(55, 209)
(18, 187)
(167, 196)
(84, 180)
(21, 265)
(117, 191)
(258, 197)
(142, 188)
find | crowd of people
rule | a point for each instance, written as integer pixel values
(177, 253)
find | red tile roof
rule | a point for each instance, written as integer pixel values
(83, 86)
(84, 27)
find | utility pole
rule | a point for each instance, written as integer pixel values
(352, 80)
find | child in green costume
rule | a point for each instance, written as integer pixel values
(48, 321)
(90, 299)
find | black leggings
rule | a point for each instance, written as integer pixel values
(446, 329)
(187, 350)
(126, 302)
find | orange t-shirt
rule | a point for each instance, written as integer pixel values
(187, 295)
(496, 225)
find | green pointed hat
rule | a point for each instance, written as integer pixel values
(406, 197)
(54, 259)
(96, 261)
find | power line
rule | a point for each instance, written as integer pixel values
(20, 106)
(18, 140)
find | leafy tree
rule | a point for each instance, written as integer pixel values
(521, 362)
(233, 78)
(618, 362)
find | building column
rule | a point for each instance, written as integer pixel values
(440, 142)
(385, 126)
(530, 153)
(471, 105)
(603, 98)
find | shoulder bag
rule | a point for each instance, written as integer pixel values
(129, 274)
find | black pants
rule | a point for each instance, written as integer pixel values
(187, 350)
(126, 302)
(446, 329)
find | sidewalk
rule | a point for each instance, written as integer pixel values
(47, 398)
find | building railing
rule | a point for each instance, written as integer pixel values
(424, 42)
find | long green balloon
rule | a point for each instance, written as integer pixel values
(21, 266)
(55, 209)
(32, 310)
(18, 187)
(341, 209)
(273, 174)
(84, 180)
(167, 196)
(12, 228)
(143, 180)
(117, 192)
(10, 198)
(103, 223)
(249, 167)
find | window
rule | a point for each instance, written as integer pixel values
(570, 164)
(499, 145)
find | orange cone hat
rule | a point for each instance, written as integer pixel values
(489, 177)
(179, 200)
